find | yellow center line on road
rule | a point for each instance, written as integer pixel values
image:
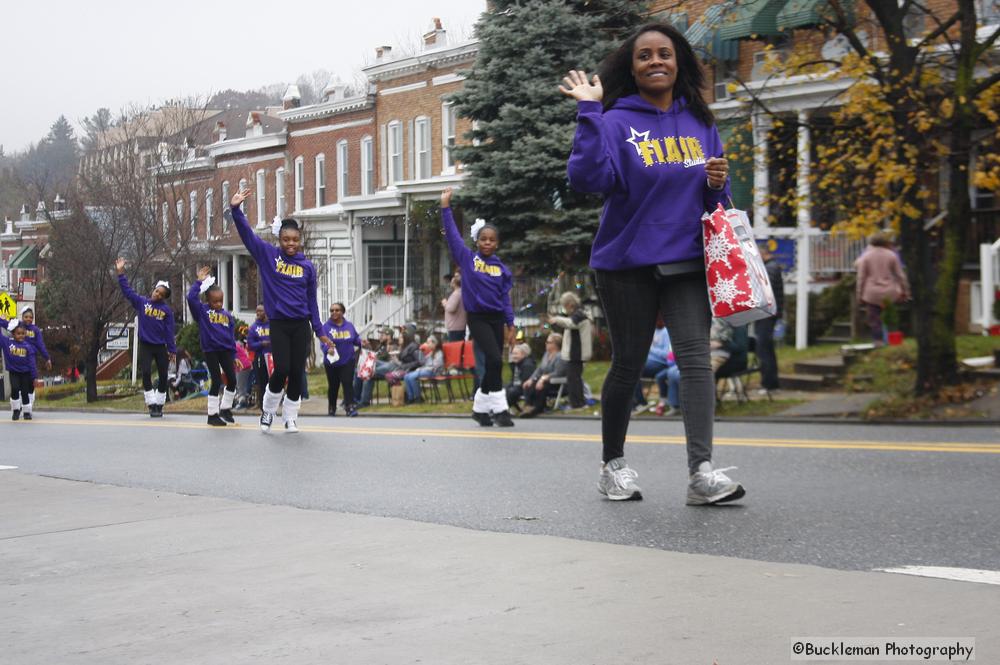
(494, 434)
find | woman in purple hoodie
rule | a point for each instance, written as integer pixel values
(646, 140)
(288, 279)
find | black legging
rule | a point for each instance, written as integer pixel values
(22, 384)
(487, 333)
(341, 375)
(290, 340)
(224, 360)
(147, 354)
(260, 372)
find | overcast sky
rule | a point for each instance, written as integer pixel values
(66, 57)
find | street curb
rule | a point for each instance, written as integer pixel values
(778, 420)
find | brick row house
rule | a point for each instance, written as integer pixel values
(351, 167)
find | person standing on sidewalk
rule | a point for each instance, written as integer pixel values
(340, 359)
(647, 141)
(288, 279)
(454, 310)
(577, 344)
(486, 296)
(763, 329)
(880, 279)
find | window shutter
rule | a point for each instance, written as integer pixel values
(383, 156)
(412, 148)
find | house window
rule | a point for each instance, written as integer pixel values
(225, 205)
(193, 203)
(209, 212)
(261, 198)
(448, 121)
(320, 180)
(341, 169)
(300, 183)
(279, 188)
(367, 165)
(422, 145)
(385, 265)
(395, 152)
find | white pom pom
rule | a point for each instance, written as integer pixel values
(276, 225)
(13, 323)
(477, 227)
(209, 281)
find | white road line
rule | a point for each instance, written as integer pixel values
(944, 573)
(7, 468)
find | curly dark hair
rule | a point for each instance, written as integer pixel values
(616, 72)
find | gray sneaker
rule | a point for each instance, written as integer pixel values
(708, 486)
(617, 481)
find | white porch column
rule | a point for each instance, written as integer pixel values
(761, 127)
(236, 283)
(804, 222)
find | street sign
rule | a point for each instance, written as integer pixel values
(117, 338)
(8, 308)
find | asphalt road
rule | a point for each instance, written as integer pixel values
(846, 496)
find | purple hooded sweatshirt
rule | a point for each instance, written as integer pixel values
(289, 282)
(486, 283)
(216, 328)
(17, 356)
(650, 166)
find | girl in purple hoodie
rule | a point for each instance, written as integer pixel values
(217, 334)
(647, 142)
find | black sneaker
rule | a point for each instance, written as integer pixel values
(157, 411)
(27, 415)
(15, 414)
(152, 411)
(216, 420)
(502, 419)
(227, 415)
(483, 419)
(265, 421)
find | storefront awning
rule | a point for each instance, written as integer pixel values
(25, 259)
(805, 13)
(751, 18)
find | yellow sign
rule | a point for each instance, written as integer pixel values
(8, 308)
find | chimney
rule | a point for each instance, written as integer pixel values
(220, 131)
(25, 213)
(254, 126)
(40, 211)
(335, 90)
(383, 53)
(292, 98)
(59, 203)
(8, 228)
(437, 36)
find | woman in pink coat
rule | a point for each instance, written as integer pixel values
(880, 278)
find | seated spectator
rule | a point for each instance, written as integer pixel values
(577, 345)
(522, 366)
(538, 387)
(179, 375)
(729, 346)
(660, 365)
(386, 352)
(409, 357)
(432, 364)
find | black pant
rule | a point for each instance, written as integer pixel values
(341, 375)
(224, 360)
(147, 354)
(290, 340)
(574, 383)
(537, 399)
(487, 333)
(631, 300)
(764, 332)
(22, 385)
(456, 335)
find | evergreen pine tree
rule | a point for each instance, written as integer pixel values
(524, 126)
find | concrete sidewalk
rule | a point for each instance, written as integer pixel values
(99, 574)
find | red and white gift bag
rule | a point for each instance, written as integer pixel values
(738, 288)
(366, 365)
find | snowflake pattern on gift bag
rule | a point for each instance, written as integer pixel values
(736, 290)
